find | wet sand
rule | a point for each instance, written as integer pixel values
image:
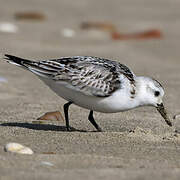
(134, 145)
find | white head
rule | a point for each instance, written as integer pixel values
(150, 92)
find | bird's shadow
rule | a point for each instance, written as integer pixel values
(43, 127)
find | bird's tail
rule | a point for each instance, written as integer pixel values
(38, 68)
(17, 61)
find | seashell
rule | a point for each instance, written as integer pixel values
(52, 116)
(29, 15)
(8, 27)
(67, 32)
(17, 148)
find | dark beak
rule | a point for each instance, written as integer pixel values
(162, 111)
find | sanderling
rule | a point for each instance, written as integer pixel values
(96, 84)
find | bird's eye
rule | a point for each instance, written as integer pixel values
(156, 93)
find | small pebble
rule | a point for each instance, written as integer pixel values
(17, 148)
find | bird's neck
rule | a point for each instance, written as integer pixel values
(141, 93)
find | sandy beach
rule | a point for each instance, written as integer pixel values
(136, 144)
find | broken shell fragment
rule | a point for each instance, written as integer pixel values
(17, 148)
(149, 34)
(98, 25)
(52, 116)
(29, 16)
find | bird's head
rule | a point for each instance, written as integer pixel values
(151, 93)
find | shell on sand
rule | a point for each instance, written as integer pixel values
(17, 148)
(52, 116)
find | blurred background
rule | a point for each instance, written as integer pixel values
(143, 34)
(46, 29)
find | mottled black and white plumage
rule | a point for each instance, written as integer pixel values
(94, 83)
(91, 75)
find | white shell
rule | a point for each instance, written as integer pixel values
(8, 27)
(68, 32)
(17, 148)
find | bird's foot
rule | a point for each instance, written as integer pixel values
(99, 129)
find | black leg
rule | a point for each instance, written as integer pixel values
(91, 119)
(66, 107)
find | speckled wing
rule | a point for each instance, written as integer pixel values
(90, 79)
(93, 76)
(90, 75)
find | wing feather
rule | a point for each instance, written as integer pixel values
(91, 79)
(90, 75)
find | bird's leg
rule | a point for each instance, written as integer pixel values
(91, 119)
(66, 107)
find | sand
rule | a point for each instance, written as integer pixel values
(134, 145)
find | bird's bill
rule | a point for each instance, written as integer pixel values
(162, 111)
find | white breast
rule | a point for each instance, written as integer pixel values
(118, 101)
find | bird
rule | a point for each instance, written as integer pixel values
(96, 84)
